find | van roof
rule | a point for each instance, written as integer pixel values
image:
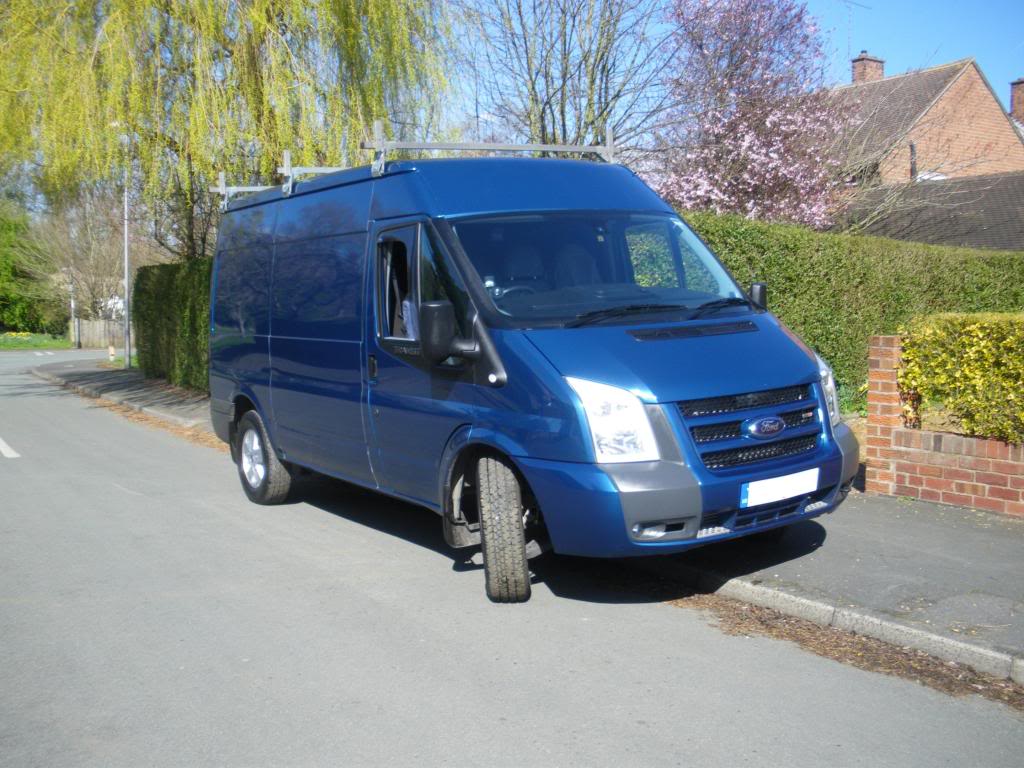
(467, 186)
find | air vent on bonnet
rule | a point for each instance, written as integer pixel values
(691, 331)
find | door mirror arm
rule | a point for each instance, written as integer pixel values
(439, 340)
(467, 349)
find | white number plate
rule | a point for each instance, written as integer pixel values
(778, 488)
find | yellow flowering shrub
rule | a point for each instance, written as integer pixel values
(973, 364)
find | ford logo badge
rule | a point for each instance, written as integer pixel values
(765, 427)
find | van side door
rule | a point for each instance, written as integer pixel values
(316, 320)
(413, 408)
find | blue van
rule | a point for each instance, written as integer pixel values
(540, 351)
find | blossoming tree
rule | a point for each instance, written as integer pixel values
(753, 127)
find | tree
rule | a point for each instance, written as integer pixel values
(25, 304)
(753, 126)
(78, 250)
(563, 71)
(184, 88)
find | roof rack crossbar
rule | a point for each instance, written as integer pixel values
(381, 147)
(290, 171)
(227, 192)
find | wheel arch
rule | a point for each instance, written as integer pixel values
(241, 403)
(464, 448)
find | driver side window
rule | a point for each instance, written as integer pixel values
(396, 253)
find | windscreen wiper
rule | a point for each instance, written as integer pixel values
(711, 306)
(595, 315)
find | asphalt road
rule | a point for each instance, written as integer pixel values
(150, 615)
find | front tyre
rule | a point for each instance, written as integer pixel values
(265, 479)
(501, 532)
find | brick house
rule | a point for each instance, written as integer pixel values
(932, 157)
(945, 121)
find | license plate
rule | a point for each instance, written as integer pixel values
(778, 488)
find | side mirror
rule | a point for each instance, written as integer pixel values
(759, 294)
(437, 330)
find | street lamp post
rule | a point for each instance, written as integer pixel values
(127, 274)
(76, 327)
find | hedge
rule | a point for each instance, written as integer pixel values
(974, 365)
(836, 290)
(170, 313)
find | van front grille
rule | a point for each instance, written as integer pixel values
(748, 455)
(728, 430)
(716, 426)
(715, 406)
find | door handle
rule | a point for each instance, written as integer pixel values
(371, 366)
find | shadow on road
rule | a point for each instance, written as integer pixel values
(637, 580)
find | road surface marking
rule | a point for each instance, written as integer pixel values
(38, 354)
(7, 452)
(127, 490)
(49, 353)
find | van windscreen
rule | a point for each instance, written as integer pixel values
(571, 267)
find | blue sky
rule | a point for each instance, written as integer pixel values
(911, 34)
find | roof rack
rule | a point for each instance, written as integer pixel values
(290, 172)
(227, 192)
(287, 170)
(382, 146)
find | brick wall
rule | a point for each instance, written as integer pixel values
(933, 466)
(965, 133)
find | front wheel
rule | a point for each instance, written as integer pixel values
(501, 532)
(264, 478)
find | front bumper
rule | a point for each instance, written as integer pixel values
(591, 509)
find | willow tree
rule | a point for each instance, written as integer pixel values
(184, 88)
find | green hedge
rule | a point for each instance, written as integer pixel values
(837, 290)
(834, 290)
(974, 365)
(170, 313)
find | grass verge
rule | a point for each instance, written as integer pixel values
(25, 340)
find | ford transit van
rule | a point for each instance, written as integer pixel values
(539, 351)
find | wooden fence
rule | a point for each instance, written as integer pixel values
(97, 334)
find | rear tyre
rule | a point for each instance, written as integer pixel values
(265, 479)
(501, 532)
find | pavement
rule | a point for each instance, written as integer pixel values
(149, 614)
(181, 407)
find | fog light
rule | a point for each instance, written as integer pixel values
(649, 531)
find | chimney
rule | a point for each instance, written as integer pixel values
(867, 69)
(1017, 99)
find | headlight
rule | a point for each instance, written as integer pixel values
(618, 424)
(828, 385)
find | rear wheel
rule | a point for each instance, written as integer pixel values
(264, 478)
(501, 532)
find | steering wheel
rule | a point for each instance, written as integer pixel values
(515, 288)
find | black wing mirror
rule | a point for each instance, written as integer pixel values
(759, 294)
(438, 333)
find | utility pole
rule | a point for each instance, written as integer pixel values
(127, 274)
(76, 328)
